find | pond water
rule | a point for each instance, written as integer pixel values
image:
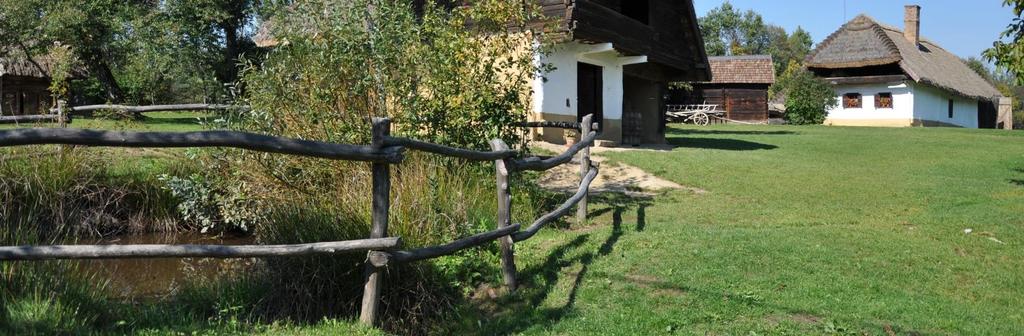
(149, 278)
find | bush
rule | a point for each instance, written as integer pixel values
(453, 77)
(808, 99)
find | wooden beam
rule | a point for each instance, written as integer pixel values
(242, 140)
(549, 124)
(538, 164)
(29, 118)
(157, 108)
(450, 248)
(448, 151)
(562, 210)
(866, 79)
(191, 251)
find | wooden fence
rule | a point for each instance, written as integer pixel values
(384, 151)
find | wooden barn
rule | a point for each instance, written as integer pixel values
(739, 86)
(24, 85)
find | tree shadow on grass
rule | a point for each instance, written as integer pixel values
(525, 309)
(720, 144)
(690, 131)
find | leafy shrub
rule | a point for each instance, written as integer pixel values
(808, 99)
(210, 209)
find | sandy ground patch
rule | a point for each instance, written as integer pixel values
(613, 177)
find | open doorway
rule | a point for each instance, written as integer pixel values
(589, 97)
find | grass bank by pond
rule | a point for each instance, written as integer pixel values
(60, 195)
(802, 230)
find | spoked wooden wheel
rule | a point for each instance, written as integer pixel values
(701, 119)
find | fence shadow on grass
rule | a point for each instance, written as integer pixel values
(525, 309)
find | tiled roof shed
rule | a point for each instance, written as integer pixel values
(756, 69)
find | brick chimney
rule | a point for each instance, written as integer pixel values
(912, 23)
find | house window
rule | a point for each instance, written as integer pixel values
(950, 109)
(639, 10)
(852, 100)
(883, 100)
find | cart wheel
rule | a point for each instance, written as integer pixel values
(701, 119)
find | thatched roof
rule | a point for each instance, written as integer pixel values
(754, 69)
(864, 42)
(21, 66)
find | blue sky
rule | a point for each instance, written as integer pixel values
(964, 27)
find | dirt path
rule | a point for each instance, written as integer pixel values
(613, 177)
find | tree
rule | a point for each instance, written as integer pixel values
(1009, 55)
(139, 51)
(808, 99)
(727, 31)
(979, 67)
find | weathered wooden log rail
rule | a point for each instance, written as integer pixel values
(383, 152)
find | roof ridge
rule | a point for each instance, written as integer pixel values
(740, 57)
(860, 22)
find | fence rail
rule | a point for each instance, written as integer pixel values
(383, 151)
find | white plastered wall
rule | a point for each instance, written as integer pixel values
(932, 104)
(900, 114)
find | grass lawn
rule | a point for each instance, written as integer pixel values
(153, 121)
(802, 230)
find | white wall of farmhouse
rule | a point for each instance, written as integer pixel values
(559, 85)
(932, 104)
(555, 94)
(914, 104)
(900, 114)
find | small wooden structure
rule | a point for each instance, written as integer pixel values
(739, 86)
(24, 86)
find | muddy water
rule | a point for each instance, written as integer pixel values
(147, 278)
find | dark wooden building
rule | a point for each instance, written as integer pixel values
(739, 86)
(24, 85)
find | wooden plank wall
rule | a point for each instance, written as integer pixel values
(739, 103)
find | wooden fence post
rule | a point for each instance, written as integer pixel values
(381, 203)
(508, 256)
(62, 119)
(585, 127)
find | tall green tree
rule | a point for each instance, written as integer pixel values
(728, 31)
(91, 28)
(1008, 52)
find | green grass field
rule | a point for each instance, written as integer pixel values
(802, 230)
(799, 230)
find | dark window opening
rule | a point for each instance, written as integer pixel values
(950, 109)
(883, 100)
(639, 10)
(852, 100)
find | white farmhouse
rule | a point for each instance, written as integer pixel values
(888, 77)
(615, 62)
